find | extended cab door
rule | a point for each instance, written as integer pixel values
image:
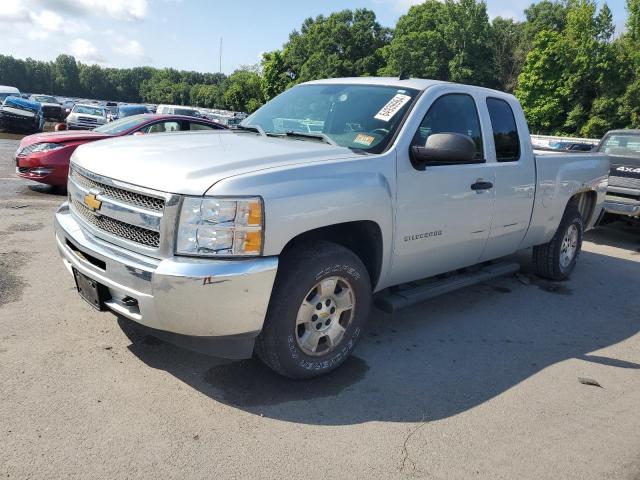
(510, 148)
(442, 222)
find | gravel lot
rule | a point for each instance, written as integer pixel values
(482, 383)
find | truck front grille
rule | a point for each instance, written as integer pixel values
(137, 199)
(119, 212)
(624, 182)
(116, 227)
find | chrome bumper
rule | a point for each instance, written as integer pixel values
(204, 298)
(631, 209)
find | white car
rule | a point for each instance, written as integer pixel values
(178, 110)
(86, 117)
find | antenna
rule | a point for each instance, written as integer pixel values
(220, 54)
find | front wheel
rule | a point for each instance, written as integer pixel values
(556, 259)
(317, 312)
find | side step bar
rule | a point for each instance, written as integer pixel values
(409, 294)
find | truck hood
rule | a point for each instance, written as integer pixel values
(190, 163)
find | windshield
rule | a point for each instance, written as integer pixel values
(121, 125)
(44, 99)
(360, 117)
(88, 110)
(625, 145)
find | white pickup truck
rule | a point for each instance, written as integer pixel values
(274, 238)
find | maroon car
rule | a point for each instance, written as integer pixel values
(44, 157)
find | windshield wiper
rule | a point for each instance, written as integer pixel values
(318, 136)
(252, 128)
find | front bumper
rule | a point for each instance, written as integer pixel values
(213, 306)
(622, 206)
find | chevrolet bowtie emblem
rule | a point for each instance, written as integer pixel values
(92, 202)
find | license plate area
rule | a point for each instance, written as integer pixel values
(91, 291)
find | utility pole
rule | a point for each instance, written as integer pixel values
(220, 54)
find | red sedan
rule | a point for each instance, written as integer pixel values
(44, 157)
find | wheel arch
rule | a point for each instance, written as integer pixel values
(362, 237)
(585, 201)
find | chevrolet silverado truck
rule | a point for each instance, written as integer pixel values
(623, 194)
(275, 237)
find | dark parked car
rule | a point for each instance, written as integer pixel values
(130, 110)
(51, 107)
(574, 146)
(45, 157)
(623, 193)
(19, 115)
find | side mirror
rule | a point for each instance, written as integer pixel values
(444, 149)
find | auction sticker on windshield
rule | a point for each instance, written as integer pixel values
(363, 139)
(392, 107)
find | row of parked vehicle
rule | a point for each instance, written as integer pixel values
(21, 112)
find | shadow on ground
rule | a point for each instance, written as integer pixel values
(436, 359)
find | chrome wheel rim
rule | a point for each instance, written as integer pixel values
(569, 246)
(325, 313)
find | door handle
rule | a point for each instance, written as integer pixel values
(481, 185)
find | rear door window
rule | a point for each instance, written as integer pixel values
(505, 131)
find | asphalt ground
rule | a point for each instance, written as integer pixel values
(481, 383)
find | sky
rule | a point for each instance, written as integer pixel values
(184, 34)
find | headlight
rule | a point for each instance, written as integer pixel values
(220, 226)
(45, 147)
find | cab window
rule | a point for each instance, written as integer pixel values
(452, 113)
(505, 132)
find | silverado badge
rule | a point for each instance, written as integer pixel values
(92, 202)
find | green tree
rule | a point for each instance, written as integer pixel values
(243, 91)
(343, 44)
(445, 41)
(506, 42)
(540, 83)
(65, 75)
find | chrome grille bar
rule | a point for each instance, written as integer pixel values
(126, 196)
(110, 225)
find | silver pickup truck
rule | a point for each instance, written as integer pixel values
(274, 238)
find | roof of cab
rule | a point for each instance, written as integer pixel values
(414, 83)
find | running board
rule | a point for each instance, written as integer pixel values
(395, 298)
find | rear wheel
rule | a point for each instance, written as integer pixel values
(318, 308)
(556, 259)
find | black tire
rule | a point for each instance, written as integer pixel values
(546, 258)
(299, 271)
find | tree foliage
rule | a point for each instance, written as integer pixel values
(443, 40)
(564, 62)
